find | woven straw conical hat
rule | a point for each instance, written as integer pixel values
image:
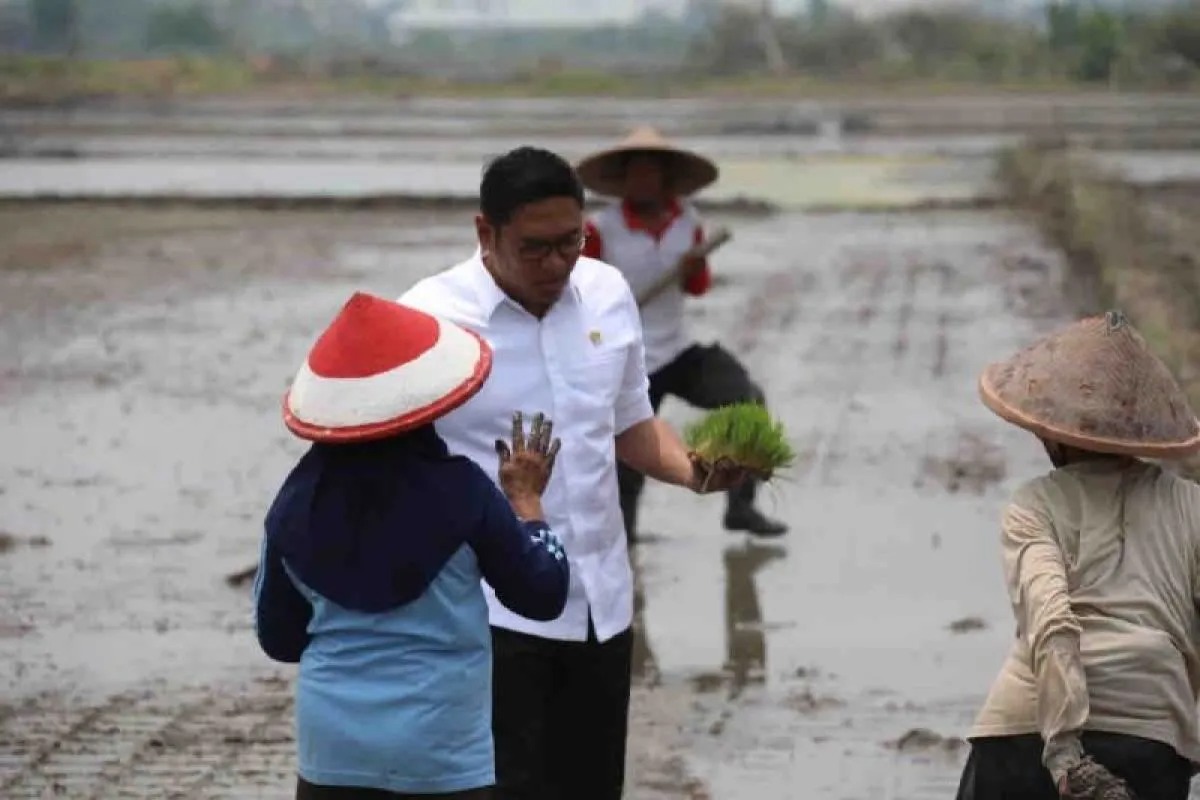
(1094, 385)
(604, 171)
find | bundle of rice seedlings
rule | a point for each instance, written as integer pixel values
(743, 435)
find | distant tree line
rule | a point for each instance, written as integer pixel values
(242, 27)
(341, 35)
(1076, 40)
(1080, 41)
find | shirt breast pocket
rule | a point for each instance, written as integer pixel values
(596, 377)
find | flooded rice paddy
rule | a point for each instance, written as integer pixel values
(143, 352)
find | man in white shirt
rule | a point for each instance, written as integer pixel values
(645, 235)
(566, 339)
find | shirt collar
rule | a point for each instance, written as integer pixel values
(1103, 465)
(491, 296)
(635, 222)
(487, 292)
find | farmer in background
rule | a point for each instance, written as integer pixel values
(374, 547)
(565, 333)
(1102, 562)
(645, 235)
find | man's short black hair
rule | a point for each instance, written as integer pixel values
(523, 176)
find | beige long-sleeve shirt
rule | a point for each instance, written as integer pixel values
(1102, 563)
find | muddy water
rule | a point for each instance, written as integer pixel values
(72, 143)
(840, 647)
(142, 356)
(141, 376)
(796, 154)
(893, 113)
(789, 183)
(192, 154)
(792, 173)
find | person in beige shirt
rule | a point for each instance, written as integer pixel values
(1101, 556)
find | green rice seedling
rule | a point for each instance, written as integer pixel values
(743, 434)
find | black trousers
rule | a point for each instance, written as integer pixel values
(705, 376)
(1010, 767)
(310, 791)
(560, 715)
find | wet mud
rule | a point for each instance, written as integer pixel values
(423, 152)
(867, 638)
(142, 357)
(973, 464)
(1115, 114)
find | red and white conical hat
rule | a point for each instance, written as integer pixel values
(380, 369)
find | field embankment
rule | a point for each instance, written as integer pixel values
(1128, 247)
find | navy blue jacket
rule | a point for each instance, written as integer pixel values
(370, 579)
(369, 526)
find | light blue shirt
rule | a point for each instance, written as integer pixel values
(401, 700)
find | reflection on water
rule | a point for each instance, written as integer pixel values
(441, 151)
(475, 148)
(745, 644)
(784, 181)
(645, 666)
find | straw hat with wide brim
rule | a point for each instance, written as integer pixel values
(381, 369)
(604, 172)
(1094, 385)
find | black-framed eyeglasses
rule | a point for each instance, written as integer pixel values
(540, 249)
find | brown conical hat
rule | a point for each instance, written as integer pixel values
(604, 173)
(1097, 386)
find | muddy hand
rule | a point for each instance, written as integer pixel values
(542, 441)
(1090, 779)
(525, 467)
(708, 477)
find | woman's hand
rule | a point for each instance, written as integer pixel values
(525, 468)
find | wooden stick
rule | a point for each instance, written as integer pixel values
(672, 278)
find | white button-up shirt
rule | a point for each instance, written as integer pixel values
(583, 366)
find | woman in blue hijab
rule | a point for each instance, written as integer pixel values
(374, 550)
